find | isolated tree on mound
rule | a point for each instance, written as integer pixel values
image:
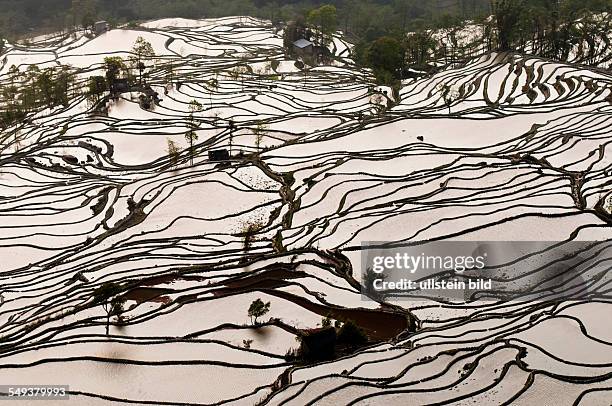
(191, 136)
(107, 296)
(143, 51)
(257, 309)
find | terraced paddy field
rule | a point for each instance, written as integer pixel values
(322, 160)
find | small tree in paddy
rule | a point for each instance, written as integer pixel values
(238, 73)
(257, 309)
(213, 84)
(191, 136)
(173, 152)
(259, 133)
(107, 296)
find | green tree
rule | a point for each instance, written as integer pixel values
(324, 19)
(10, 97)
(211, 85)
(115, 68)
(142, 51)
(63, 83)
(239, 72)
(29, 89)
(45, 84)
(386, 57)
(328, 18)
(96, 86)
(257, 309)
(191, 136)
(249, 230)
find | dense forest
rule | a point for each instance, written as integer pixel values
(395, 39)
(361, 17)
(543, 27)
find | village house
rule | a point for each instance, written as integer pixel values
(303, 47)
(101, 27)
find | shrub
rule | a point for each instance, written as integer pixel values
(293, 354)
(249, 230)
(352, 334)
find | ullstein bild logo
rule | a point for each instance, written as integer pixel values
(482, 270)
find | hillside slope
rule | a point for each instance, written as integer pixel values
(89, 197)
